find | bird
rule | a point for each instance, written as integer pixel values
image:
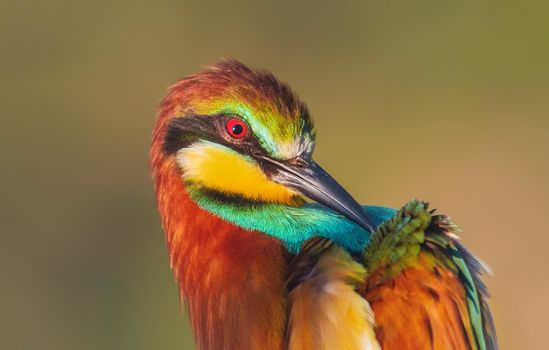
(269, 251)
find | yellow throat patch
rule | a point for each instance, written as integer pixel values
(219, 168)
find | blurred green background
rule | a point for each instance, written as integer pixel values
(444, 101)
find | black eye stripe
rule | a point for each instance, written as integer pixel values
(184, 131)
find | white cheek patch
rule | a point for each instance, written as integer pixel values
(294, 149)
(287, 150)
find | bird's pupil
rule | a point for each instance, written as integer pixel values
(237, 129)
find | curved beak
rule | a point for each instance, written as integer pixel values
(308, 178)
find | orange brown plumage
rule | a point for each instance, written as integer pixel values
(258, 267)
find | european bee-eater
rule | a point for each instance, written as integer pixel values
(270, 252)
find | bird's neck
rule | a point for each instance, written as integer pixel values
(293, 225)
(231, 279)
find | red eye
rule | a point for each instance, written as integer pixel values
(236, 128)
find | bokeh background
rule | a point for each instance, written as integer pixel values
(444, 101)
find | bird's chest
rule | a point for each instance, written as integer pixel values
(234, 287)
(239, 293)
(326, 312)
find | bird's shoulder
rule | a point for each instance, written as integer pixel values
(420, 274)
(415, 276)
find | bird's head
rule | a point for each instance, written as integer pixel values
(242, 139)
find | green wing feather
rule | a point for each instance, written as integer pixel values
(397, 242)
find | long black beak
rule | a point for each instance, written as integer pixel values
(308, 178)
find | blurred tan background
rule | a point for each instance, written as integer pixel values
(444, 101)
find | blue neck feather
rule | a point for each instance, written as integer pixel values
(294, 225)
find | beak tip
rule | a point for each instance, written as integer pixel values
(365, 222)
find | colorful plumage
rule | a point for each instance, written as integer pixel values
(259, 266)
